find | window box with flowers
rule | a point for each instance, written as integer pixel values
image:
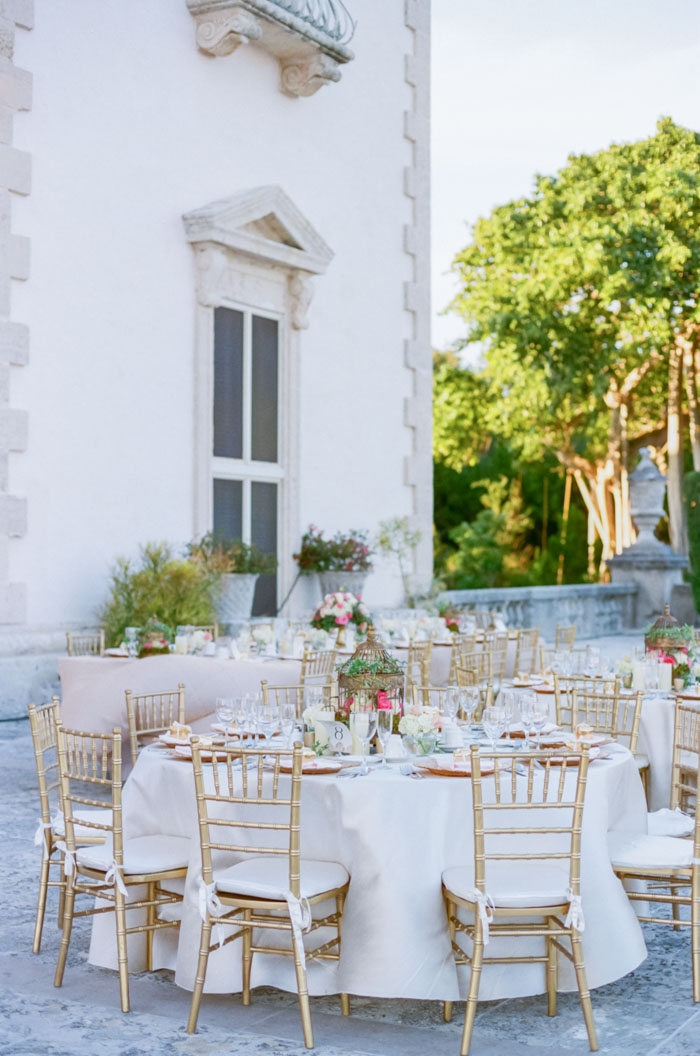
(341, 562)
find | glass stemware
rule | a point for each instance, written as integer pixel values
(468, 703)
(527, 705)
(224, 713)
(385, 725)
(510, 706)
(494, 722)
(540, 714)
(267, 716)
(364, 726)
(287, 718)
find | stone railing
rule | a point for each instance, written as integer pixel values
(595, 608)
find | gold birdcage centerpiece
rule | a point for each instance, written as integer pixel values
(666, 634)
(371, 678)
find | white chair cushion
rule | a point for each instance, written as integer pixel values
(667, 822)
(631, 850)
(144, 854)
(84, 832)
(268, 877)
(513, 885)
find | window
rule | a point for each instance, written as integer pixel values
(247, 470)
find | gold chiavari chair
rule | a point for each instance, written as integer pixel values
(208, 628)
(152, 713)
(317, 667)
(527, 862)
(85, 644)
(51, 831)
(482, 619)
(430, 696)
(594, 701)
(462, 643)
(294, 695)
(90, 765)
(479, 675)
(527, 650)
(418, 662)
(266, 889)
(670, 864)
(496, 643)
(565, 636)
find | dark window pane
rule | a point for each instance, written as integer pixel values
(228, 383)
(228, 508)
(264, 402)
(263, 533)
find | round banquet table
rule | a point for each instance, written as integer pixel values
(394, 835)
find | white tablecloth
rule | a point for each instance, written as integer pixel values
(395, 836)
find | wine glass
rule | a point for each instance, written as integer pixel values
(592, 660)
(288, 718)
(510, 706)
(224, 713)
(385, 726)
(540, 715)
(240, 716)
(494, 721)
(267, 716)
(450, 703)
(364, 726)
(527, 705)
(131, 638)
(468, 703)
(252, 701)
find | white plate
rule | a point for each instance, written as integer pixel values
(173, 742)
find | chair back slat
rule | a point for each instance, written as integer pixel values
(317, 666)
(418, 663)
(92, 644)
(594, 701)
(565, 636)
(237, 793)
(90, 774)
(294, 695)
(526, 650)
(42, 724)
(152, 713)
(686, 756)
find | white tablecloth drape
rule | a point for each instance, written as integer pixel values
(395, 836)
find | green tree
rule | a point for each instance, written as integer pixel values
(584, 297)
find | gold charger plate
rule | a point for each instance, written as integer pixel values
(440, 769)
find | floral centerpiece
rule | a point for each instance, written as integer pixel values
(154, 638)
(371, 678)
(668, 640)
(420, 729)
(338, 610)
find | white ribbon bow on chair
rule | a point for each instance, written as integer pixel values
(114, 876)
(68, 858)
(40, 834)
(486, 909)
(210, 905)
(574, 918)
(300, 917)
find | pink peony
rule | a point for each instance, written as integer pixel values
(383, 702)
(343, 619)
(363, 628)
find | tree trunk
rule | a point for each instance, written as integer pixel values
(564, 527)
(691, 388)
(628, 533)
(676, 513)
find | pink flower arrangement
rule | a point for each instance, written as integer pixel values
(339, 609)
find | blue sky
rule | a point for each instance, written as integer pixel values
(518, 85)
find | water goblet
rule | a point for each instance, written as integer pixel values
(364, 726)
(494, 721)
(510, 706)
(385, 726)
(224, 713)
(540, 715)
(267, 717)
(450, 703)
(288, 718)
(527, 705)
(468, 703)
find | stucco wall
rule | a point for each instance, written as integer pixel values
(131, 127)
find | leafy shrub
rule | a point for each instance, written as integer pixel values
(215, 554)
(691, 488)
(174, 590)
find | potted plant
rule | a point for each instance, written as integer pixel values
(235, 566)
(342, 562)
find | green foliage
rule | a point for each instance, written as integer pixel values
(176, 591)
(459, 400)
(691, 488)
(491, 550)
(215, 554)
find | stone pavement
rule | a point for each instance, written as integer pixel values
(648, 1013)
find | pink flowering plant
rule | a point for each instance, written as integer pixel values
(340, 609)
(343, 552)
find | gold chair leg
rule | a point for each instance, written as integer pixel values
(41, 902)
(150, 921)
(122, 956)
(204, 943)
(584, 994)
(675, 911)
(302, 988)
(61, 900)
(67, 928)
(552, 973)
(473, 995)
(450, 910)
(695, 947)
(247, 958)
(340, 906)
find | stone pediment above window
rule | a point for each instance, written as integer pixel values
(308, 38)
(264, 227)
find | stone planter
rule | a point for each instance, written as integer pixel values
(350, 582)
(234, 596)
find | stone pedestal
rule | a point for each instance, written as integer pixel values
(649, 563)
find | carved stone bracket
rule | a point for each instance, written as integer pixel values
(308, 56)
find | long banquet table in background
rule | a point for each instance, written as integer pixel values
(395, 836)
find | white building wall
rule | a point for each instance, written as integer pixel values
(131, 127)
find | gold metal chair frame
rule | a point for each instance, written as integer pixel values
(472, 676)
(42, 723)
(418, 663)
(685, 794)
(510, 793)
(295, 694)
(247, 912)
(594, 701)
(84, 759)
(152, 713)
(565, 636)
(317, 665)
(462, 644)
(85, 644)
(526, 650)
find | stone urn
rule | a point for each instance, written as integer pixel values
(348, 582)
(234, 596)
